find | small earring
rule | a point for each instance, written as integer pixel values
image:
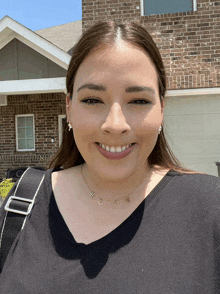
(160, 128)
(69, 126)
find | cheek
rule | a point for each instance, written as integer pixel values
(146, 133)
(151, 121)
(147, 129)
(84, 139)
(84, 129)
(83, 119)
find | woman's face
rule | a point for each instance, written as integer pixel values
(116, 103)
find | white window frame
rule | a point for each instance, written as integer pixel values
(60, 127)
(16, 125)
(142, 6)
(3, 100)
(194, 5)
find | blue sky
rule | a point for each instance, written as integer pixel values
(41, 14)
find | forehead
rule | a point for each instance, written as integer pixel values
(120, 60)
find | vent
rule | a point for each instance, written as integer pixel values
(3, 100)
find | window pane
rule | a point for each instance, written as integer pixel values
(21, 133)
(29, 133)
(29, 121)
(25, 132)
(168, 6)
(63, 122)
(21, 122)
(21, 144)
(30, 144)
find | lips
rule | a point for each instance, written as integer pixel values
(115, 149)
(115, 154)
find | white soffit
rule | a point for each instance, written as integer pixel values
(34, 86)
(193, 92)
(10, 29)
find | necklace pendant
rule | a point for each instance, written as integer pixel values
(92, 194)
(100, 202)
(127, 199)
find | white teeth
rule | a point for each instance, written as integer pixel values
(118, 149)
(112, 149)
(115, 149)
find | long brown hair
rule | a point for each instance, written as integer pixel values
(105, 33)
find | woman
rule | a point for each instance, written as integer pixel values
(116, 212)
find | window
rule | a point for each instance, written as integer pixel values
(3, 100)
(61, 120)
(169, 6)
(25, 140)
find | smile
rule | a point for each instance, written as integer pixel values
(115, 149)
(115, 152)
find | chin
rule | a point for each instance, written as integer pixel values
(115, 171)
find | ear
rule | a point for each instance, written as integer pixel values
(162, 107)
(68, 99)
(68, 103)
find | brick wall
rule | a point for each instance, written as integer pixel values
(189, 42)
(46, 108)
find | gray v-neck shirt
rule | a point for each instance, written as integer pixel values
(170, 244)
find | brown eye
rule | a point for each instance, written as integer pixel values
(91, 101)
(140, 101)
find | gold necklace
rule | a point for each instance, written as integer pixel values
(101, 199)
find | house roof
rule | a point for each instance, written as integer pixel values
(63, 36)
(10, 29)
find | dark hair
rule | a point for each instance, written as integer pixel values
(105, 33)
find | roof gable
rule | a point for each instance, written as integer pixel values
(10, 29)
(19, 62)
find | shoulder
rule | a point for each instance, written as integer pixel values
(200, 183)
(65, 182)
(198, 193)
(64, 175)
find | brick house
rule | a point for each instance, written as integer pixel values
(187, 33)
(188, 36)
(33, 67)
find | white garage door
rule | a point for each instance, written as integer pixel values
(192, 126)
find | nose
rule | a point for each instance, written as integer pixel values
(115, 121)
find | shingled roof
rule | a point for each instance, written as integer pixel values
(63, 36)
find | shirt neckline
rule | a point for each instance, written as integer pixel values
(108, 237)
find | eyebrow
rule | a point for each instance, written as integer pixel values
(92, 87)
(133, 89)
(139, 89)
